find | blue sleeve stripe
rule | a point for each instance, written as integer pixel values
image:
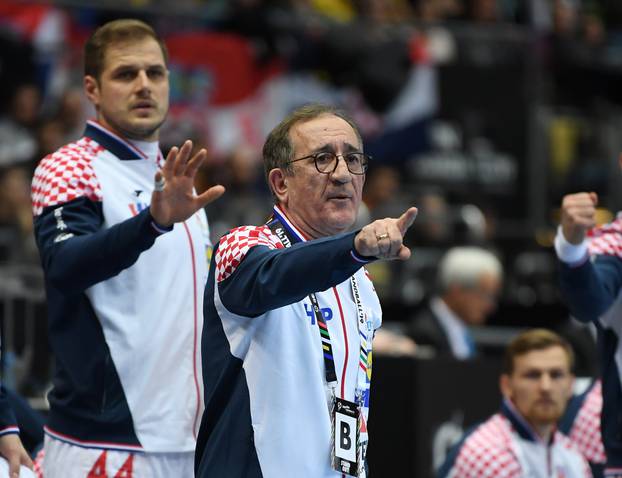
(359, 258)
(9, 430)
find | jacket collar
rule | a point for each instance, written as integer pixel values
(118, 146)
(520, 425)
(294, 234)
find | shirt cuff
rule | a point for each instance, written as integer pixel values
(159, 229)
(363, 259)
(572, 254)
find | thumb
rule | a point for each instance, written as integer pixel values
(404, 253)
(27, 461)
(211, 194)
(406, 220)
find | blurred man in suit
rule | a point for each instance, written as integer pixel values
(469, 280)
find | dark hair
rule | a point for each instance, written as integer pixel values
(535, 339)
(278, 150)
(114, 32)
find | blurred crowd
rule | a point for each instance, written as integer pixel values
(444, 92)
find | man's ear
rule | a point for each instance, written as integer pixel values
(505, 386)
(278, 184)
(91, 88)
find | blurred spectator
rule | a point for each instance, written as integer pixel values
(435, 224)
(386, 11)
(247, 198)
(469, 281)
(484, 11)
(382, 187)
(522, 438)
(438, 10)
(17, 243)
(17, 141)
(593, 28)
(565, 18)
(72, 113)
(50, 136)
(391, 342)
(383, 196)
(17, 60)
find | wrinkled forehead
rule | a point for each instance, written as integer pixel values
(326, 130)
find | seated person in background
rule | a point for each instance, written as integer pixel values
(522, 440)
(469, 280)
(393, 343)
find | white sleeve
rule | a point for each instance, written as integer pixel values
(567, 252)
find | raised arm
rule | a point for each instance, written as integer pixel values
(255, 273)
(591, 276)
(76, 251)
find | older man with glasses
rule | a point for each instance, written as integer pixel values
(290, 314)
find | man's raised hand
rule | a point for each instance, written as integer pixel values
(578, 215)
(174, 199)
(384, 238)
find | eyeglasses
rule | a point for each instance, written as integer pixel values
(326, 161)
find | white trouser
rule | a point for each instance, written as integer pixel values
(23, 472)
(63, 460)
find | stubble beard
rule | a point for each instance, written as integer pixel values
(546, 416)
(136, 130)
(143, 132)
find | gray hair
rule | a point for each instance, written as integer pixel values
(465, 266)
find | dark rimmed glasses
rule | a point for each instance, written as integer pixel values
(326, 161)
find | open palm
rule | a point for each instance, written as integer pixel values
(177, 201)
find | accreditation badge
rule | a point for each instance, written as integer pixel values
(345, 439)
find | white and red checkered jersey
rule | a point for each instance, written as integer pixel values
(585, 431)
(505, 446)
(125, 299)
(266, 397)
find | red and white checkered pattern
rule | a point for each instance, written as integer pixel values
(488, 452)
(234, 246)
(585, 432)
(38, 463)
(607, 239)
(66, 175)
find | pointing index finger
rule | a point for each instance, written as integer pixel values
(406, 220)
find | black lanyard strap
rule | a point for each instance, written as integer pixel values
(287, 239)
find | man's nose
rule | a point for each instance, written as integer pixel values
(341, 173)
(545, 381)
(142, 81)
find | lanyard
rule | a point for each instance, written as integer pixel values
(327, 349)
(278, 227)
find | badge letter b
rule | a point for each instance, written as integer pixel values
(346, 441)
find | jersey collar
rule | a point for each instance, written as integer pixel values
(293, 232)
(118, 146)
(520, 425)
